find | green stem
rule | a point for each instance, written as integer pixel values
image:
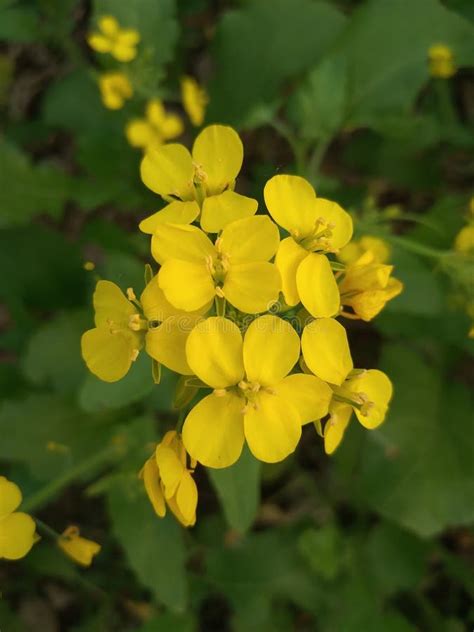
(316, 158)
(298, 147)
(44, 528)
(419, 249)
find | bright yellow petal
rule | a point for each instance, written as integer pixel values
(317, 286)
(167, 343)
(17, 535)
(81, 550)
(111, 305)
(181, 241)
(288, 258)
(194, 99)
(172, 127)
(213, 432)
(175, 213)
(123, 52)
(218, 151)
(340, 415)
(151, 479)
(108, 356)
(170, 468)
(99, 43)
(129, 37)
(187, 498)
(186, 285)
(214, 352)
(340, 220)
(168, 171)
(139, 133)
(271, 350)
(326, 350)
(378, 388)
(108, 25)
(154, 303)
(220, 210)
(272, 428)
(308, 394)
(291, 201)
(252, 287)
(10, 497)
(250, 239)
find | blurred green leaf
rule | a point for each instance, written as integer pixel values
(18, 23)
(322, 548)
(169, 622)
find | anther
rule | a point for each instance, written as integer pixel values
(220, 292)
(134, 354)
(220, 392)
(131, 294)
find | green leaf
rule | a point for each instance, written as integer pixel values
(18, 24)
(238, 489)
(153, 546)
(169, 622)
(322, 549)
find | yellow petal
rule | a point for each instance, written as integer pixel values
(10, 497)
(111, 305)
(108, 25)
(167, 343)
(154, 303)
(340, 415)
(291, 201)
(213, 432)
(250, 239)
(99, 43)
(170, 468)
(194, 100)
(175, 213)
(317, 286)
(187, 498)
(272, 428)
(252, 287)
(123, 52)
(81, 550)
(271, 350)
(168, 170)
(181, 241)
(288, 258)
(151, 479)
(218, 151)
(186, 285)
(128, 37)
(140, 133)
(308, 394)
(220, 210)
(340, 220)
(17, 535)
(378, 389)
(214, 352)
(326, 350)
(108, 356)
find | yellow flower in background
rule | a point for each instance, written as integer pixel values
(124, 326)
(194, 270)
(115, 89)
(157, 127)
(441, 61)
(168, 480)
(120, 43)
(194, 99)
(254, 398)
(198, 184)
(355, 249)
(464, 242)
(368, 393)
(367, 286)
(316, 226)
(79, 549)
(17, 529)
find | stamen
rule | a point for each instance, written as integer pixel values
(220, 392)
(135, 353)
(131, 294)
(219, 292)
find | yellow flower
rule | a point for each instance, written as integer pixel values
(17, 529)
(120, 43)
(464, 242)
(441, 61)
(367, 286)
(115, 89)
(198, 184)
(194, 270)
(316, 226)
(124, 326)
(367, 393)
(254, 398)
(355, 249)
(194, 100)
(157, 127)
(77, 548)
(168, 480)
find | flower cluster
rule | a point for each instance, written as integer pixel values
(441, 61)
(246, 307)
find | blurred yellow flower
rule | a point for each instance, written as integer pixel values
(441, 61)
(77, 548)
(169, 481)
(317, 226)
(120, 43)
(115, 89)
(355, 249)
(201, 184)
(464, 242)
(157, 127)
(17, 529)
(194, 99)
(254, 398)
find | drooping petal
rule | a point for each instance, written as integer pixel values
(340, 415)
(167, 343)
(10, 497)
(326, 350)
(187, 498)
(181, 241)
(338, 218)
(250, 239)
(219, 153)
(175, 213)
(220, 210)
(378, 389)
(17, 535)
(186, 285)
(151, 479)
(111, 305)
(214, 352)
(308, 394)
(252, 287)
(291, 201)
(108, 355)
(170, 468)
(288, 258)
(272, 428)
(168, 171)
(213, 432)
(79, 549)
(317, 286)
(271, 350)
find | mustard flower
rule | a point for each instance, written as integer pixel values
(254, 397)
(194, 99)
(441, 61)
(200, 184)
(464, 242)
(368, 393)
(316, 226)
(355, 249)
(168, 480)
(115, 89)
(194, 270)
(120, 43)
(79, 549)
(157, 127)
(17, 529)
